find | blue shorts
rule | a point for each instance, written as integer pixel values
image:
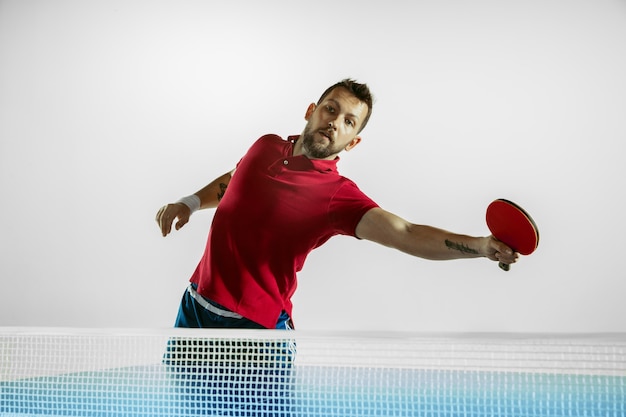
(198, 312)
(230, 377)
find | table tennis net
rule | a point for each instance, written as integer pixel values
(279, 373)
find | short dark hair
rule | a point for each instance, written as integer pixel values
(360, 91)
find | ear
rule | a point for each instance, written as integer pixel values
(309, 111)
(353, 143)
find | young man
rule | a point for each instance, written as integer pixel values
(284, 199)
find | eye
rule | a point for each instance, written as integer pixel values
(330, 108)
(349, 122)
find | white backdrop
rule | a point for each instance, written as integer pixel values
(109, 109)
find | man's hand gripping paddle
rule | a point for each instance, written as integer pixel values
(510, 224)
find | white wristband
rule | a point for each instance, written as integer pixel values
(191, 201)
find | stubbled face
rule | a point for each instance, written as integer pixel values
(333, 125)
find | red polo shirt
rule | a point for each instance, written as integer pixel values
(276, 210)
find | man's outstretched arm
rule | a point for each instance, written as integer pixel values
(429, 242)
(207, 197)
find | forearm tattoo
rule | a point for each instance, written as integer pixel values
(460, 247)
(220, 195)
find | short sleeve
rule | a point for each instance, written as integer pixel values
(347, 207)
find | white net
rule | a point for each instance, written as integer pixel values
(180, 372)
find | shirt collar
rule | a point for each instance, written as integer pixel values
(321, 165)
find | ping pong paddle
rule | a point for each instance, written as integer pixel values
(510, 224)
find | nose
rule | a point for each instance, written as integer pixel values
(334, 121)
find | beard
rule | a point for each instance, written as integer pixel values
(316, 148)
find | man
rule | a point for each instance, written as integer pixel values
(284, 199)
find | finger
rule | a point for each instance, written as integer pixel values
(159, 214)
(502, 248)
(507, 258)
(164, 221)
(181, 222)
(166, 227)
(163, 226)
(159, 218)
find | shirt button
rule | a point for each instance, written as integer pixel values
(285, 162)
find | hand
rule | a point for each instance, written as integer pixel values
(166, 215)
(499, 252)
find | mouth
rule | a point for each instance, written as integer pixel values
(326, 134)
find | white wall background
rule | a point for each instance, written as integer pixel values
(109, 109)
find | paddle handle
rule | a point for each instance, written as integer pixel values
(503, 266)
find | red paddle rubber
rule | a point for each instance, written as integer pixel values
(512, 225)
